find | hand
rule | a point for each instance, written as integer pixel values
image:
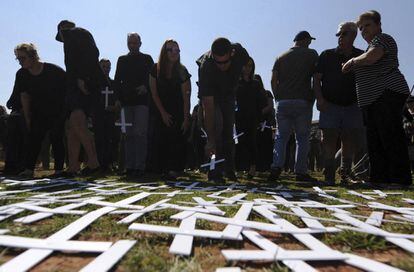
(82, 86)
(141, 90)
(185, 125)
(321, 104)
(167, 119)
(348, 66)
(210, 148)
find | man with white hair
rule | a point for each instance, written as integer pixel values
(340, 117)
(131, 83)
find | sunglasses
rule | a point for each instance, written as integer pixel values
(223, 61)
(343, 33)
(173, 50)
(20, 59)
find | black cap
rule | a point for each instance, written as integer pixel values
(303, 35)
(63, 23)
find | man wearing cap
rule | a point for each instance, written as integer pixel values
(340, 117)
(291, 86)
(85, 78)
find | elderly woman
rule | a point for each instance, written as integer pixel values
(382, 92)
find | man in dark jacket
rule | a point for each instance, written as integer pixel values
(85, 78)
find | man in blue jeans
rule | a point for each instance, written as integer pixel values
(291, 85)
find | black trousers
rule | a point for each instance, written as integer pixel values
(40, 125)
(246, 149)
(171, 147)
(16, 143)
(387, 143)
(224, 121)
(105, 136)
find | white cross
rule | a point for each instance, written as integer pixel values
(123, 125)
(235, 135)
(212, 163)
(106, 93)
(263, 126)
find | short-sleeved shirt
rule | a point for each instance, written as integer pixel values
(170, 92)
(294, 70)
(337, 87)
(213, 82)
(373, 80)
(132, 71)
(47, 90)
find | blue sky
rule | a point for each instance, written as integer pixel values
(264, 27)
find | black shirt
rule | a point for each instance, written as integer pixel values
(213, 82)
(250, 102)
(82, 58)
(337, 87)
(132, 71)
(46, 90)
(170, 93)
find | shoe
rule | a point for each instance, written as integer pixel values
(170, 176)
(231, 176)
(27, 173)
(305, 177)
(89, 171)
(138, 173)
(274, 174)
(128, 173)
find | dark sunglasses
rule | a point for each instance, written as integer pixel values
(175, 50)
(222, 62)
(21, 59)
(343, 33)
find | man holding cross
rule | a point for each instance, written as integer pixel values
(104, 116)
(219, 72)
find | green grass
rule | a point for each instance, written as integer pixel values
(151, 250)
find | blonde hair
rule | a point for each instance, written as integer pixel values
(29, 48)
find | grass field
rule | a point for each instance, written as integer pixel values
(150, 253)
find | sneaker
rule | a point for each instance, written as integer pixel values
(89, 171)
(27, 173)
(138, 173)
(305, 177)
(274, 174)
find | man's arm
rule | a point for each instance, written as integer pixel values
(317, 87)
(209, 123)
(274, 82)
(25, 99)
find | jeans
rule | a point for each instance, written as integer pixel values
(293, 115)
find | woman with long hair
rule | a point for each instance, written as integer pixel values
(250, 101)
(171, 89)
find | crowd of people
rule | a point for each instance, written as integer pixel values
(140, 121)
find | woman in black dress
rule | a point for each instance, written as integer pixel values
(250, 101)
(171, 89)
